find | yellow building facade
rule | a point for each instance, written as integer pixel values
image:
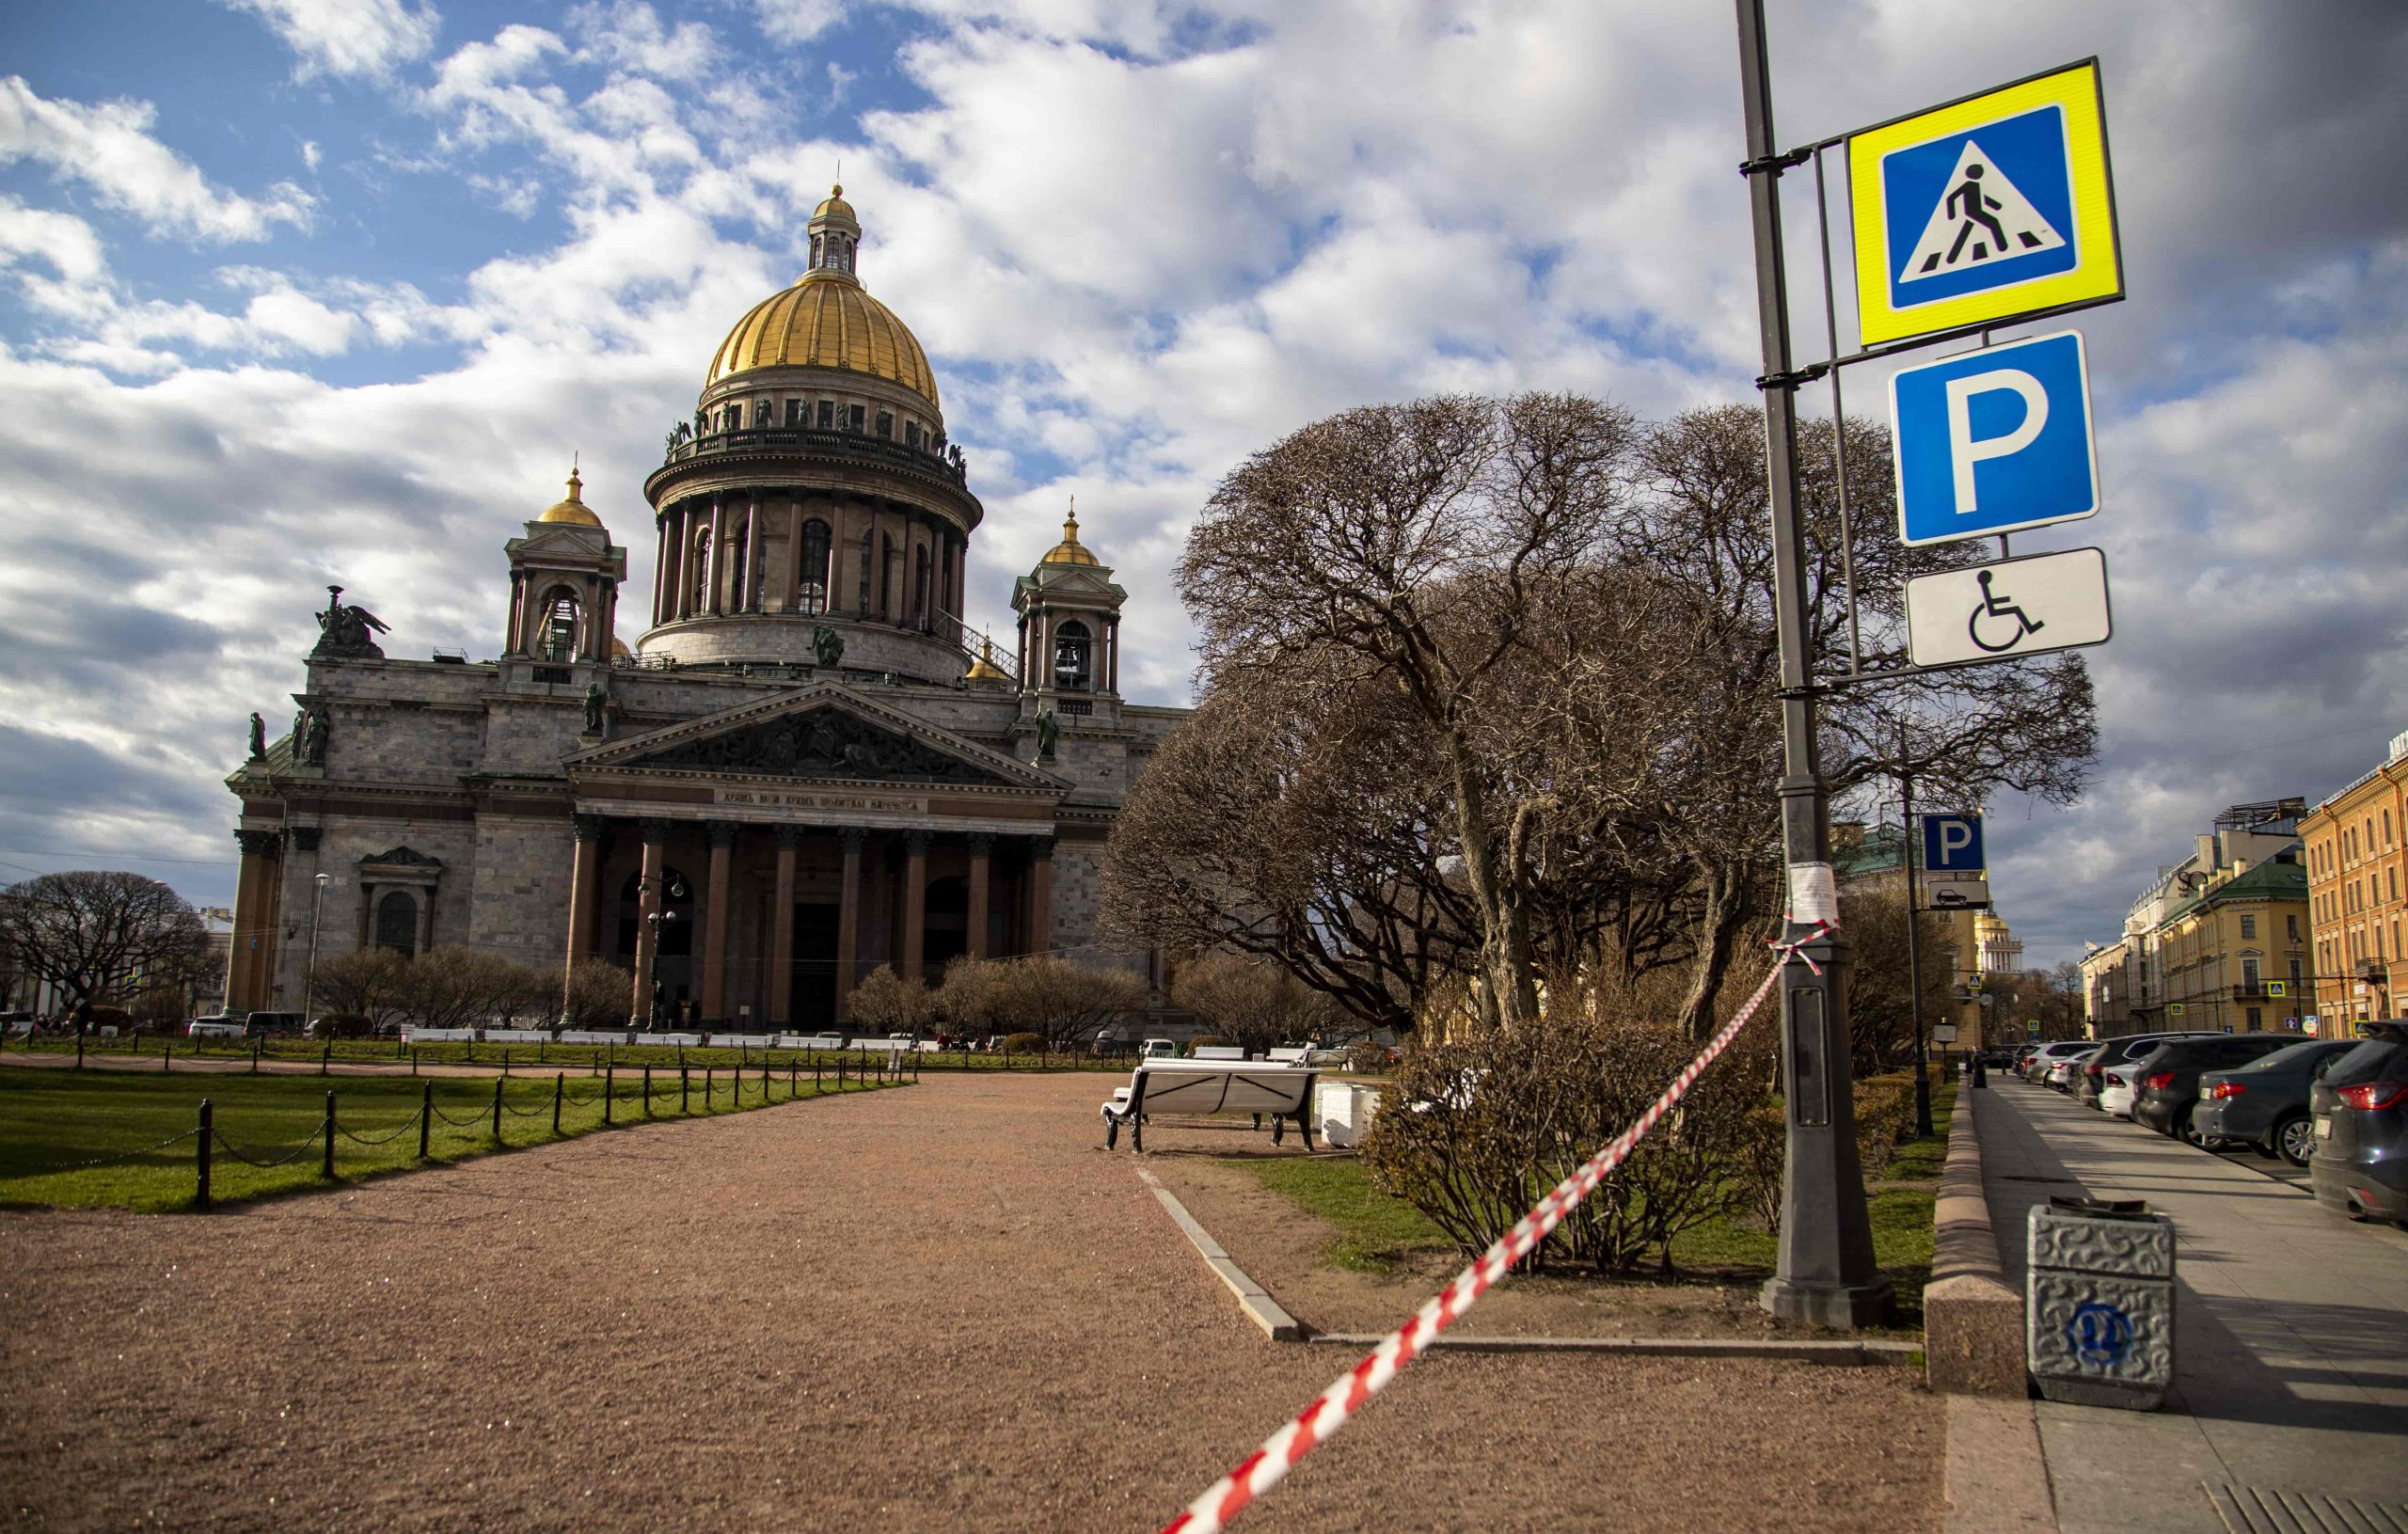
(2358, 864)
(2237, 957)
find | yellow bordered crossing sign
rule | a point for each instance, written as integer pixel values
(1994, 208)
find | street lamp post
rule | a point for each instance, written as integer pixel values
(1915, 934)
(1824, 1273)
(309, 977)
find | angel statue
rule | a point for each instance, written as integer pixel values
(344, 632)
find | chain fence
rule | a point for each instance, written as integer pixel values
(489, 1116)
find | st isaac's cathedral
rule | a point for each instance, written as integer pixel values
(804, 769)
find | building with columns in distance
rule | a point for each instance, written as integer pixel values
(806, 767)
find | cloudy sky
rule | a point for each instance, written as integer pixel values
(295, 291)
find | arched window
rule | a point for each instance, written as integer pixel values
(815, 566)
(701, 567)
(890, 575)
(556, 639)
(396, 923)
(1072, 644)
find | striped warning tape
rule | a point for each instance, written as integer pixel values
(1329, 1411)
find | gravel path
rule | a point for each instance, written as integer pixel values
(934, 1308)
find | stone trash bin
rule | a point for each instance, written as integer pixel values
(2098, 1302)
(1342, 1112)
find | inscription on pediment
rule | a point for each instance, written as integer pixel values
(821, 743)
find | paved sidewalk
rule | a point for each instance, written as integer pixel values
(2291, 1327)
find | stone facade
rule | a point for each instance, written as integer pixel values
(801, 772)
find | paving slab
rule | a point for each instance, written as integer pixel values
(2291, 1327)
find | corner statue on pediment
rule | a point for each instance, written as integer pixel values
(344, 632)
(258, 736)
(597, 703)
(1049, 730)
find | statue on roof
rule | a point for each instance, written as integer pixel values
(827, 646)
(258, 735)
(344, 632)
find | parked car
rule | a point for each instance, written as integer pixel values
(2265, 1102)
(2090, 1084)
(2037, 1064)
(2360, 1163)
(1158, 1049)
(219, 1027)
(275, 1022)
(2169, 1077)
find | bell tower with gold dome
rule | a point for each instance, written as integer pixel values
(814, 512)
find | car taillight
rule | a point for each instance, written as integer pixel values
(2226, 1089)
(2376, 1093)
(2159, 1082)
(2114, 1079)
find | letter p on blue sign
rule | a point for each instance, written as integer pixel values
(1951, 843)
(1995, 440)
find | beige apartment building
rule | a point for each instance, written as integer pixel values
(2357, 871)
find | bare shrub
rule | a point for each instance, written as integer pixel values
(886, 1002)
(597, 993)
(370, 983)
(1255, 1002)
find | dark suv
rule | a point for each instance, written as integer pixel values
(2167, 1080)
(2360, 1165)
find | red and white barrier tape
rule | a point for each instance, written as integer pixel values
(1328, 1412)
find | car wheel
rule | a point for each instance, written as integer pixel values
(2295, 1139)
(2187, 1127)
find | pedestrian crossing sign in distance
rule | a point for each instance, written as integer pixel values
(1994, 208)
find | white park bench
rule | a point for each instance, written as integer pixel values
(1211, 1087)
(1290, 1055)
(594, 1035)
(1220, 1052)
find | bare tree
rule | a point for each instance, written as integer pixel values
(453, 987)
(1297, 818)
(1068, 1004)
(1252, 1001)
(102, 934)
(594, 995)
(1410, 541)
(372, 983)
(885, 1001)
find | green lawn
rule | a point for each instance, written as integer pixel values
(50, 1116)
(551, 1057)
(1376, 1230)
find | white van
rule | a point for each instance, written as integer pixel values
(1158, 1049)
(218, 1028)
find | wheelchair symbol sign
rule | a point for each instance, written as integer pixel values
(2101, 1335)
(2008, 610)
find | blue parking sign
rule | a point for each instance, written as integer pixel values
(1994, 440)
(1951, 843)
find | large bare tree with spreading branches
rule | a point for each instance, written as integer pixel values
(1491, 688)
(99, 935)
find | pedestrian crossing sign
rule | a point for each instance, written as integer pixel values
(1994, 208)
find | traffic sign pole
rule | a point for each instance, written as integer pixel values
(1824, 1273)
(1914, 933)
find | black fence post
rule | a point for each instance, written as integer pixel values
(707, 1077)
(765, 1078)
(200, 1156)
(255, 1057)
(166, 1053)
(325, 1058)
(815, 1071)
(497, 1110)
(684, 1088)
(328, 1165)
(647, 1091)
(560, 1088)
(610, 1079)
(426, 1119)
(505, 1062)
(413, 1059)
(794, 1078)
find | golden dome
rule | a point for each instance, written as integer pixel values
(572, 510)
(1070, 550)
(835, 205)
(984, 668)
(826, 321)
(619, 647)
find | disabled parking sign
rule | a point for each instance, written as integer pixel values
(1994, 440)
(1993, 208)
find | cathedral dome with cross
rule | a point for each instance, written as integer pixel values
(810, 763)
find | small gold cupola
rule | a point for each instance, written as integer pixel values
(573, 510)
(1070, 550)
(835, 236)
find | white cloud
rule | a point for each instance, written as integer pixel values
(366, 37)
(794, 23)
(629, 34)
(110, 150)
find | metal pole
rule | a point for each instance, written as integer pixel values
(329, 1167)
(1824, 1273)
(426, 1119)
(208, 1128)
(1914, 936)
(309, 979)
